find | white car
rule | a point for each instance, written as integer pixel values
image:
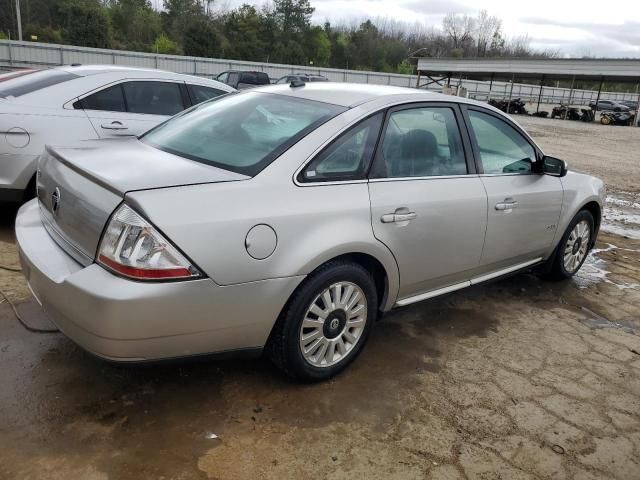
(64, 105)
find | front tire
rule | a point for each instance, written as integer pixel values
(326, 323)
(574, 247)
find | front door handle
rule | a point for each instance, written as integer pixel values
(398, 217)
(116, 125)
(507, 204)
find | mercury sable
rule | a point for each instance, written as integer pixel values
(286, 218)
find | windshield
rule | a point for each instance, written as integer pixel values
(244, 132)
(33, 80)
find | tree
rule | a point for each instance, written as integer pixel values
(459, 29)
(487, 27)
(201, 40)
(318, 46)
(86, 23)
(135, 24)
(244, 32)
(291, 18)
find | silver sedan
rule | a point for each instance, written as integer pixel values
(285, 219)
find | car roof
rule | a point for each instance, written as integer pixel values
(350, 94)
(89, 70)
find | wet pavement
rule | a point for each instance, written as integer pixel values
(516, 379)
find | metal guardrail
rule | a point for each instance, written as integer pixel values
(30, 54)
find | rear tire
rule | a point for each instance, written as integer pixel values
(326, 322)
(573, 248)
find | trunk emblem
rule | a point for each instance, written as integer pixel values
(55, 200)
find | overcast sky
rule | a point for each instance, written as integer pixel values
(577, 28)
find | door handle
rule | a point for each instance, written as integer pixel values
(114, 126)
(507, 204)
(398, 217)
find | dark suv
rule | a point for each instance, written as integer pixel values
(240, 80)
(608, 106)
(302, 77)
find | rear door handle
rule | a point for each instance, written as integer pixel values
(398, 217)
(116, 125)
(508, 204)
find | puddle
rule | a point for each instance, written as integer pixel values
(598, 323)
(594, 270)
(621, 214)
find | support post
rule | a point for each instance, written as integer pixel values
(490, 88)
(573, 79)
(598, 97)
(418, 81)
(635, 119)
(19, 20)
(513, 78)
(540, 93)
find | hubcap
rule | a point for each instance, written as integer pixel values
(333, 324)
(576, 247)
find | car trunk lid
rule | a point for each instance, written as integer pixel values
(79, 187)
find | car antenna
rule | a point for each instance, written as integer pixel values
(297, 83)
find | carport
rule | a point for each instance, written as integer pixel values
(440, 70)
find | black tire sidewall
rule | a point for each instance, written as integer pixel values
(558, 267)
(298, 308)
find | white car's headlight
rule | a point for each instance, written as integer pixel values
(132, 247)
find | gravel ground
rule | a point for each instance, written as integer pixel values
(517, 379)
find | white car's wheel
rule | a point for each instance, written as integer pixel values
(326, 322)
(574, 246)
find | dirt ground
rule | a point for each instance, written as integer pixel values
(518, 379)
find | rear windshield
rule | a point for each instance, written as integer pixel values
(254, 78)
(36, 80)
(242, 132)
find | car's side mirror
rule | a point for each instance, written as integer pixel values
(554, 166)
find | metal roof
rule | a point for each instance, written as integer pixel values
(583, 69)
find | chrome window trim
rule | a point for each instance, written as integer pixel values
(428, 177)
(507, 174)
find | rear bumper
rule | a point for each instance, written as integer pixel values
(123, 320)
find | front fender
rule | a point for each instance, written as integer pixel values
(579, 190)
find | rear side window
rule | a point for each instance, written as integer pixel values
(502, 148)
(33, 81)
(153, 98)
(348, 157)
(109, 99)
(200, 93)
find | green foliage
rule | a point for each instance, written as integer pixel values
(86, 23)
(42, 34)
(201, 40)
(280, 32)
(164, 44)
(3, 36)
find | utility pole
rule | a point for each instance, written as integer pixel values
(19, 20)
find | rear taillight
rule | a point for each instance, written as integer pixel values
(132, 247)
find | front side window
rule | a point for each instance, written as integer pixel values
(422, 142)
(153, 98)
(32, 81)
(502, 148)
(110, 99)
(241, 133)
(348, 157)
(223, 77)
